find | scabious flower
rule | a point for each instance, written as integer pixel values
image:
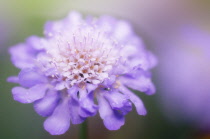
(80, 67)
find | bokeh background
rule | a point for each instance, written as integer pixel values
(176, 31)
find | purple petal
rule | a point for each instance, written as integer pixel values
(152, 59)
(35, 42)
(109, 81)
(59, 122)
(135, 99)
(73, 92)
(140, 83)
(30, 77)
(29, 95)
(54, 27)
(91, 87)
(81, 103)
(107, 23)
(13, 79)
(60, 85)
(21, 56)
(73, 18)
(114, 121)
(122, 31)
(111, 118)
(74, 105)
(118, 101)
(88, 108)
(46, 105)
(74, 112)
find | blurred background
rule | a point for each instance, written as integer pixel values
(176, 31)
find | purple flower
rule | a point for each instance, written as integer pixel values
(77, 62)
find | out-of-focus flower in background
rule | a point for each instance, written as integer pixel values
(184, 75)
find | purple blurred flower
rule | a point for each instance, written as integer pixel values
(78, 61)
(185, 82)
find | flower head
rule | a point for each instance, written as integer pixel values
(78, 61)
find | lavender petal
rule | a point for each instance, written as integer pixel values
(46, 105)
(59, 122)
(29, 95)
(29, 77)
(141, 110)
(111, 118)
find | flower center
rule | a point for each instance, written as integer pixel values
(87, 57)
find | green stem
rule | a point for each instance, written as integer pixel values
(84, 130)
